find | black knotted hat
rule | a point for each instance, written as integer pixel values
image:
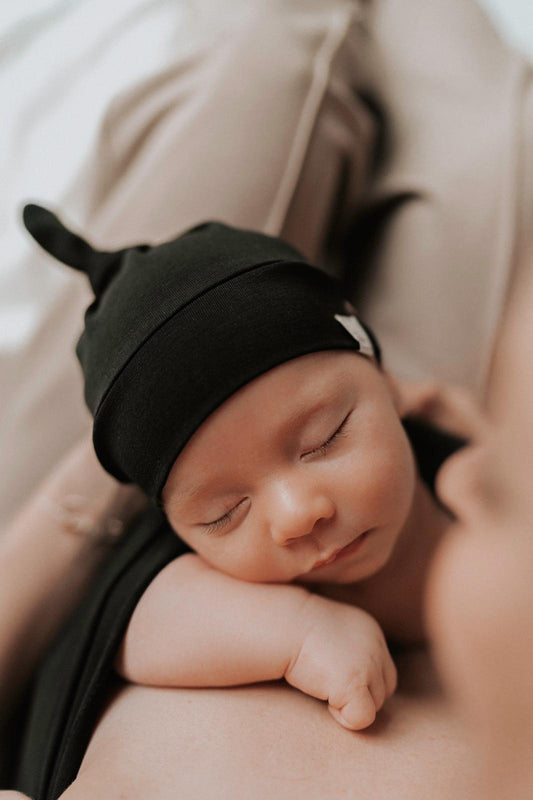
(175, 329)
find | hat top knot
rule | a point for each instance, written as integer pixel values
(71, 249)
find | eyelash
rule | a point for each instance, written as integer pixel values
(213, 527)
(325, 446)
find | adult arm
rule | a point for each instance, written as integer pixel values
(48, 556)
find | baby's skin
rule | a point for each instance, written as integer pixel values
(196, 626)
(312, 534)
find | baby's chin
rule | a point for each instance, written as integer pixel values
(346, 578)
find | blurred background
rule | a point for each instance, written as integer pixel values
(515, 18)
(52, 108)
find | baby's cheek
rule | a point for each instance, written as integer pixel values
(242, 559)
(233, 554)
(390, 481)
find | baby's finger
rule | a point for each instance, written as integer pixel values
(357, 713)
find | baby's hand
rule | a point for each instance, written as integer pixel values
(342, 657)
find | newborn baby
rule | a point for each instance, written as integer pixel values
(231, 380)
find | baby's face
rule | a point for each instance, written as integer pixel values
(306, 464)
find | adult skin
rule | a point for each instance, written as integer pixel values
(270, 740)
(481, 600)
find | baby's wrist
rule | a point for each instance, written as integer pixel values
(309, 611)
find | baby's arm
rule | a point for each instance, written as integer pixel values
(195, 626)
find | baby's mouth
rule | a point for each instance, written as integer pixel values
(342, 552)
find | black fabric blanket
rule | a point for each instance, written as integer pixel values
(74, 679)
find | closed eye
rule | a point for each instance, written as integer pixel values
(324, 447)
(221, 522)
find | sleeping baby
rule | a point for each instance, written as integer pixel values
(230, 380)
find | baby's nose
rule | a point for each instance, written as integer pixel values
(295, 512)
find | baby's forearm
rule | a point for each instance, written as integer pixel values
(195, 626)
